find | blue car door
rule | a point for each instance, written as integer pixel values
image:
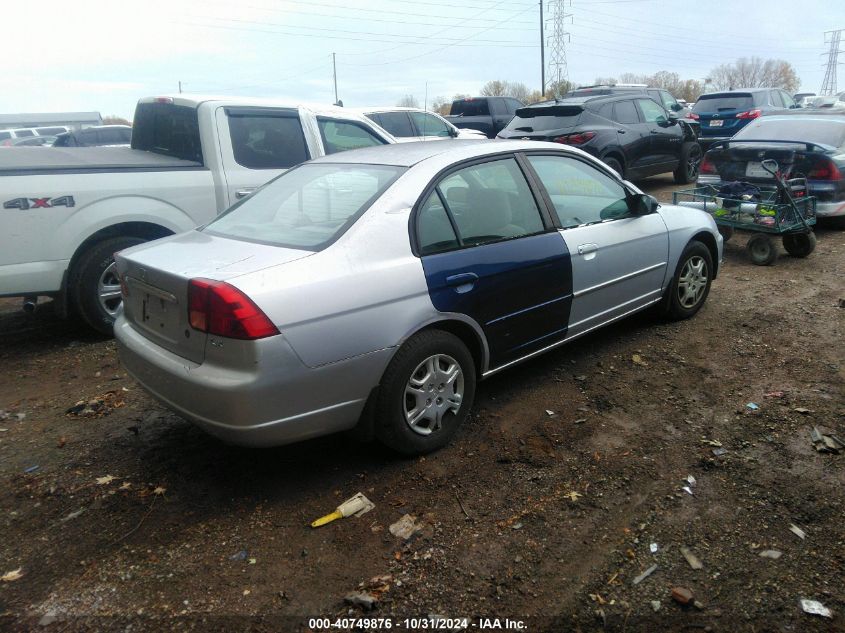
(490, 252)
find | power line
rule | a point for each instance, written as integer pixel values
(829, 81)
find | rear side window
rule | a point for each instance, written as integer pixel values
(777, 100)
(397, 123)
(434, 230)
(625, 112)
(308, 207)
(489, 202)
(470, 107)
(165, 128)
(22, 133)
(339, 136)
(716, 103)
(606, 111)
(50, 131)
(115, 136)
(266, 140)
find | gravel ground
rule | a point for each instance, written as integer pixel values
(122, 516)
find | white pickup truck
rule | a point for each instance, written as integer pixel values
(66, 211)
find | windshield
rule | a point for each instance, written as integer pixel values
(824, 131)
(308, 207)
(723, 102)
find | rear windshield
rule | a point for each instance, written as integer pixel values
(723, 102)
(470, 107)
(167, 129)
(825, 131)
(49, 131)
(545, 118)
(308, 207)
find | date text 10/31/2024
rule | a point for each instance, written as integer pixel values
(416, 624)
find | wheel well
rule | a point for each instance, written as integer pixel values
(468, 336)
(710, 242)
(143, 230)
(616, 155)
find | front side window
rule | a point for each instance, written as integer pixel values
(669, 102)
(397, 123)
(580, 193)
(625, 112)
(264, 141)
(339, 136)
(307, 207)
(652, 112)
(429, 125)
(488, 202)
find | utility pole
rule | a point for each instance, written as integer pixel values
(334, 75)
(829, 81)
(542, 54)
(180, 87)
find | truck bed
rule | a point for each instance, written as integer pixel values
(41, 160)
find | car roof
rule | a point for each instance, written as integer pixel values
(194, 101)
(734, 90)
(409, 154)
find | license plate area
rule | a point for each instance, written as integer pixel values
(717, 122)
(156, 310)
(755, 169)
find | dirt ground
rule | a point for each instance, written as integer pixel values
(122, 516)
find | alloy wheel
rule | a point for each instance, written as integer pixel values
(434, 390)
(692, 282)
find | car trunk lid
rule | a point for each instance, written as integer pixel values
(155, 281)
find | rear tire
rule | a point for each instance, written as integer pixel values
(799, 244)
(727, 232)
(691, 283)
(425, 393)
(615, 165)
(93, 283)
(690, 159)
(761, 250)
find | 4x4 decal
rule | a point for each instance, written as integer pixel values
(39, 203)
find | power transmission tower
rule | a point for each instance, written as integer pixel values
(829, 82)
(558, 71)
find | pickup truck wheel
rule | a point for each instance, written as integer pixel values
(687, 170)
(94, 285)
(425, 394)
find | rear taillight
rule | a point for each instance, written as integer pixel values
(824, 169)
(579, 138)
(749, 114)
(693, 116)
(706, 167)
(221, 309)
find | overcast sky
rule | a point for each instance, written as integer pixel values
(92, 55)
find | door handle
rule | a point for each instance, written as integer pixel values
(243, 193)
(655, 132)
(586, 249)
(621, 131)
(462, 282)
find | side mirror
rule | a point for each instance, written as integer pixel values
(453, 132)
(677, 107)
(642, 203)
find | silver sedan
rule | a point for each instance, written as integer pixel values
(378, 286)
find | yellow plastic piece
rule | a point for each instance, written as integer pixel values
(337, 514)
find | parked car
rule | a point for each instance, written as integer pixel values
(488, 115)
(629, 131)
(809, 144)
(723, 114)
(413, 124)
(390, 280)
(29, 141)
(827, 101)
(8, 135)
(800, 96)
(52, 130)
(96, 136)
(70, 209)
(662, 96)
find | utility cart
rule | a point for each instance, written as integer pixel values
(783, 209)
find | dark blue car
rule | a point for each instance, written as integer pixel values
(723, 114)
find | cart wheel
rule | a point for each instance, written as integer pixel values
(727, 232)
(761, 250)
(799, 244)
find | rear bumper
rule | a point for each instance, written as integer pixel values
(270, 400)
(830, 209)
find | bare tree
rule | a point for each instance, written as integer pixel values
(408, 101)
(441, 105)
(495, 88)
(755, 73)
(113, 119)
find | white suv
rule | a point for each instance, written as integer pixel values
(414, 124)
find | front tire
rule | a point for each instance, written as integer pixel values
(94, 286)
(691, 283)
(799, 244)
(690, 159)
(426, 393)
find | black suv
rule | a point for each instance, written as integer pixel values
(630, 132)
